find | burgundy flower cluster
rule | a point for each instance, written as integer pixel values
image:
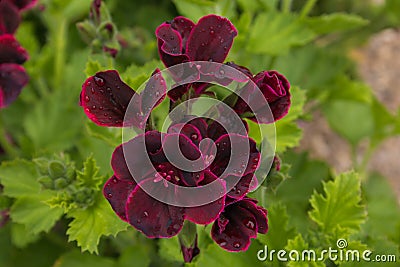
(105, 98)
(12, 75)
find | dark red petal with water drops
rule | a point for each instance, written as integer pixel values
(211, 39)
(184, 26)
(208, 213)
(11, 51)
(200, 124)
(105, 98)
(169, 45)
(12, 79)
(116, 191)
(259, 213)
(153, 93)
(177, 92)
(242, 69)
(237, 232)
(24, 4)
(152, 217)
(118, 164)
(9, 17)
(242, 187)
(188, 130)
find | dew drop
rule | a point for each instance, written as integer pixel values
(254, 166)
(93, 107)
(236, 244)
(87, 109)
(115, 180)
(249, 224)
(138, 221)
(255, 160)
(101, 107)
(109, 195)
(87, 98)
(194, 136)
(89, 83)
(164, 174)
(99, 81)
(168, 177)
(212, 32)
(171, 172)
(92, 90)
(145, 214)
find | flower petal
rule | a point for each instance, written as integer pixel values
(260, 214)
(188, 130)
(11, 51)
(211, 39)
(169, 45)
(208, 213)
(152, 217)
(153, 93)
(242, 187)
(9, 17)
(237, 232)
(12, 79)
(105, 98)
(184, 26)
(116, 191)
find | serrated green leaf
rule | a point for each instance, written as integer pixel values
(213, 255)
(20, 237)
(112, 136)
(34, 213)
(135, 75)
(279, 231)
(88, 225)
(298, 99)
(92, 67)
(335, 22)
(77, 259)
(89, 177)
(281, 32)
(19, 178)
(340, 204)
(298, 244)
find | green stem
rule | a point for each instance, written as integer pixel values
(188, 241)
(5, 143)
(60, 48)
(286, 6)
(307, 8)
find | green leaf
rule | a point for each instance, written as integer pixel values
(340, 205)
(170, 249)
(195, 9)
(112, 136)
(300, 245)
(343, 115)
(335, 22)
(88, 225)
(139, 254)
(92, 67)
(275, 33)
(381, 221)
(288, 134)
(19, 178)
(78, 259)
(135, 75)
(21, 237)
(213, 255)
(89, 177)
(279, 231)
(34, 213)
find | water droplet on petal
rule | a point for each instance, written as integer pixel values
(236, 244)
(99, 81)
(93, 107)
(255, 160)
(101, 107)
(138, 221)
(212, 32)
(194, 136)
(249, 223)
(109, 195)
(171, 172)
(145, 214)
(87, 98)
(92, 90)
(115, 180)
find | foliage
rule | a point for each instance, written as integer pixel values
(54, 162)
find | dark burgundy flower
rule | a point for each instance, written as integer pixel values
(134, 205)
(12, 79)
(11, 51)
(105, 99)
(275, 89)
(238, 223)
(181, 40)
(9, 17)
